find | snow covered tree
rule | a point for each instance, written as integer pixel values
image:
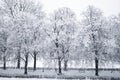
(60, 31)
(13, 8)
(67, 20)
(24, 23)
(5, 34)
(94, 21)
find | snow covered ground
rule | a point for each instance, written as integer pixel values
(70, 74)
(20, 79)
(24, 79)
(33, 79)
(52, 72)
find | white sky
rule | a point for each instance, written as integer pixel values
(109, 7)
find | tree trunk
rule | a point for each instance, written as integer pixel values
(18, 60)
(4, 62)
(65, 65)
(35, 60)
(59, 65)
(96, 64)
(26, 64)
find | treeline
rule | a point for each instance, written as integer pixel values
(26, 32)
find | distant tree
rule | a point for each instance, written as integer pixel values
(80, 49)
(38, 38)
(115, 34)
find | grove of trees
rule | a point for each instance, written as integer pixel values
(27, 33)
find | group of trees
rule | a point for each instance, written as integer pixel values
(26, 32)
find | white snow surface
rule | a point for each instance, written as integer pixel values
(24, 79)
(69, 73)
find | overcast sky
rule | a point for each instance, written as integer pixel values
(109, 7)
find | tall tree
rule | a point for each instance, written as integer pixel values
(62, 27)
(94, 21)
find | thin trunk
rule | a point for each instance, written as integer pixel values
(59, 61)
(96, 64)
(4, 62)
(18, 60)
(26, 64)
(59, 65)
(35, 60)
(65, 65)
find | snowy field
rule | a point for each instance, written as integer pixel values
(52, 72)
(17, 74)
(34, 79)
(24, 79)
